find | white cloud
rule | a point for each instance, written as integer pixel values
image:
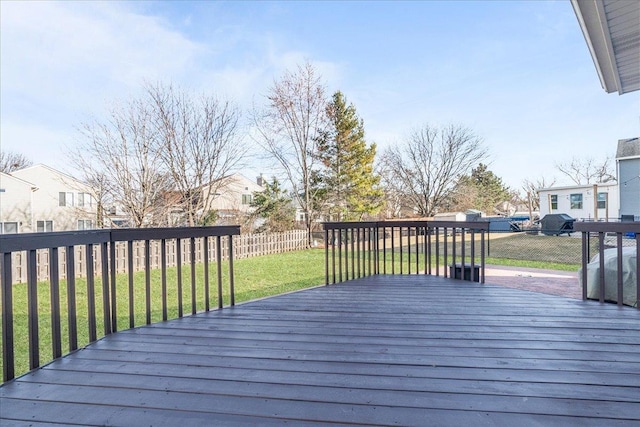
(69, 50)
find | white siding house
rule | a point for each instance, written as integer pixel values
(628, 169)
(16, 204)
(40, 198)
(234, 195)
(597, 202)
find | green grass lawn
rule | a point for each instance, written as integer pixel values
(254, 278)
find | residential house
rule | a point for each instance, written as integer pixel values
(596, 202)
(41, 198)
(628, 171)
(234, 195)
(230, 197)
(16, 200)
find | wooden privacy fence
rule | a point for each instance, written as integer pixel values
(244, 246)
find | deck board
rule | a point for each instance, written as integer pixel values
(383, 350)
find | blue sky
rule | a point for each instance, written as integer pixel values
(518, 73)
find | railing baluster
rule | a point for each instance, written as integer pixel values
(408, 250)
(326, 257)
(130, 275)
(219, 270)
(601, 254)
(473, 257)
(369, 249)
(360, 250)
(91, 293)
(147, 281)
(114, 300)
(346, 253)
(585, 260)
(32, 296)
(333, 256)
(163, 276)
(482, 255)
(619, 282)
(463, 245)
(339, 255)
(192, 249)
(54, 293)
(104, 270)
(232, 292)
(453, 250)
(417, 251)
(205, 255)
(401, 249)
(445, 247)
(71, 298)
(179, 273)
(384, 249)
(438, 252)
(8, 367)
(353, 254)
(376, 241)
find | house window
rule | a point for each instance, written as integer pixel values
(246, 199)
(8, 227)
(44, 226)
(85, 224)
(602, 200)
(554, 202)
(84, 199)
(576, 201)
(65, 199)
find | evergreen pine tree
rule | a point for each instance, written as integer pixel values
(348, 187)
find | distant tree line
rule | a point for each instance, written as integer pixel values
(163, 156)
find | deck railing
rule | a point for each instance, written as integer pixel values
(99, 249)
(596, 273)
(447, 248)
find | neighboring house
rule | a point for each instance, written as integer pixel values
(597, 202)
(16, 201)
(468, 215)
(230, 198)
(235, 195)
(40, 198)
(628, 171)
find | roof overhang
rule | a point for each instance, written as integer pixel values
(611, 29)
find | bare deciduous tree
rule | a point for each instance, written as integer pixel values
(198, 144)
(289, 127)
(118, 155)
(11, 161)
(587, 170)
(426, 167)
(531, 197)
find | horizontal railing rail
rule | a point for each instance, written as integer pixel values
(448, 248)
(613, 274)
(101, 244)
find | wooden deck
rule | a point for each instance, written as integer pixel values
(385, 350)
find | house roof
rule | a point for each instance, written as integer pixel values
(580, 187)
(4, 176)
(628, 148)
(27, 172)
(611, 29)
